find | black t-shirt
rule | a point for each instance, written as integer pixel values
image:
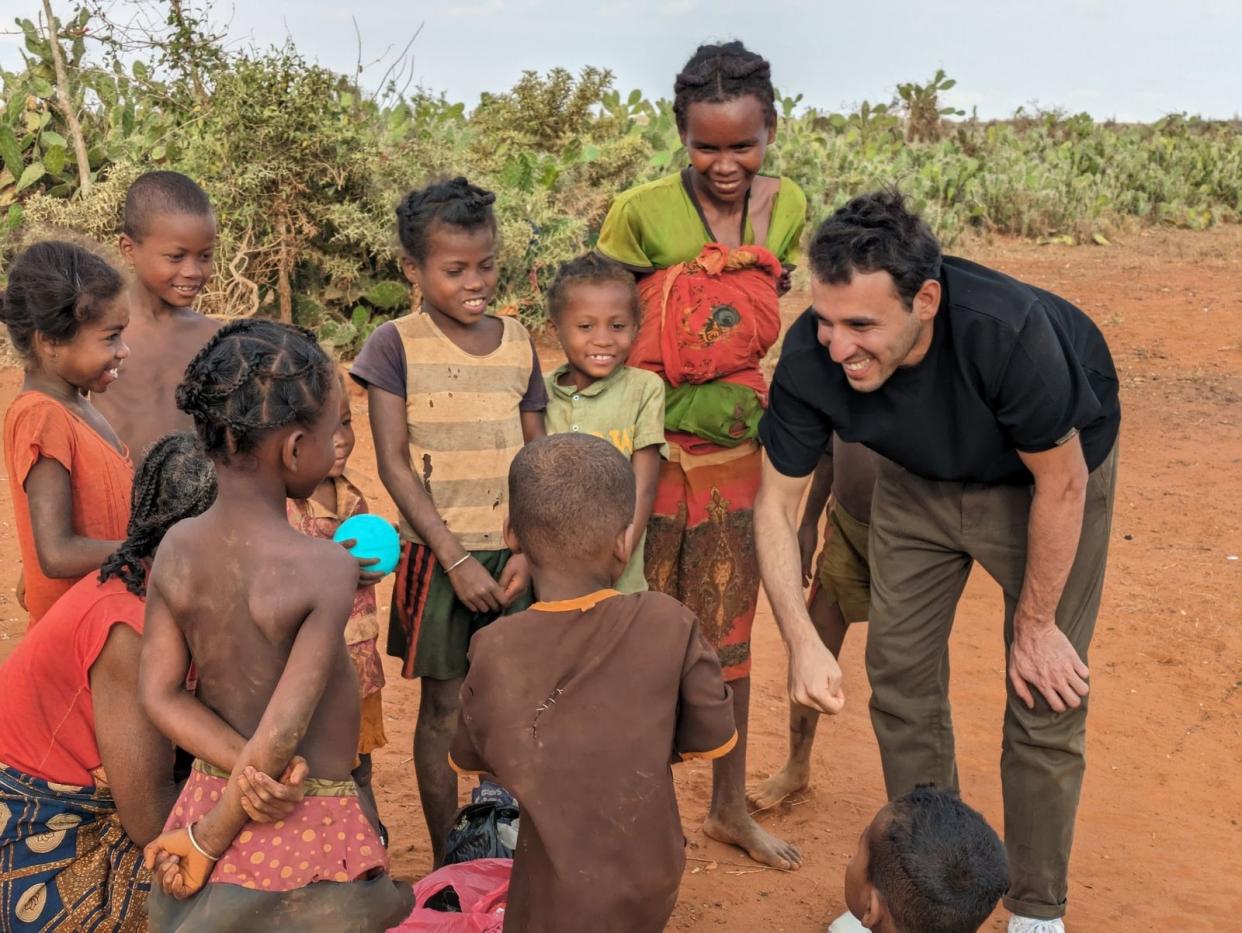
(1011, 368)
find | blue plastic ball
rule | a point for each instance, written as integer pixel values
(373, 537)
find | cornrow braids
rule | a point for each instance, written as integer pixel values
(176, 481)
(590, 269)
(719, 73)
(456, 202)
(253, 377)
(54, 288)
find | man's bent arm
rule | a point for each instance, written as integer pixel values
(814, 675)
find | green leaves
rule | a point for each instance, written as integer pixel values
(10, 151)
(32, 173)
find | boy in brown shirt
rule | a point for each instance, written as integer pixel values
(580, 704)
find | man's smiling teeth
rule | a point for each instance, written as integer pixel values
(857, 365)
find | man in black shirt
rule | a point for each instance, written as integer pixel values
(996, 404)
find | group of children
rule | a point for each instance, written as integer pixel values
(520, 599)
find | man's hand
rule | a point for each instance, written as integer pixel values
(808, 539)
(514, 579)
(266, 800)
(176, 865)
(815, 678)
(1042, 657)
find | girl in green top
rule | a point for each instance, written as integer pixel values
(700, 538)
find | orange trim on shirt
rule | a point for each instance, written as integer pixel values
(460, 770)
(714, 753)
(581, 603)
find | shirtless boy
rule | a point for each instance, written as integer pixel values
(260, 609)
(168, 239)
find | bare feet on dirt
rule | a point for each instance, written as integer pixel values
(784, 783)
(759, 844)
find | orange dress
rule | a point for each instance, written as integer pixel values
(100, 478)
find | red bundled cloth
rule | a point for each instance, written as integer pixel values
(482, 888)
(711, 318)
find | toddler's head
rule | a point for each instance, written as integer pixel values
(268, 392)
(593, 309)
(571, 501)
(65, 315)
(927, 863)
(448, 235)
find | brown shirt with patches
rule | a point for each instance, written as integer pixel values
(579, 708)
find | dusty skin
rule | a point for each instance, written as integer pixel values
(1159, 843)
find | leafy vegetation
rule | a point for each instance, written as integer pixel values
(304, 168)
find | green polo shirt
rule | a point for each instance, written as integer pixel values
(627, 410)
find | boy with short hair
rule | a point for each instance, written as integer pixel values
(593, 309)
(168, 239)
(579, 704)
(927, 863)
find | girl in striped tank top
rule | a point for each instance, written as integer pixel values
(454, 394)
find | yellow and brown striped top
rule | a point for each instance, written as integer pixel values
(464, 425)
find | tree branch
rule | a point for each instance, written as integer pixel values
(66, 103)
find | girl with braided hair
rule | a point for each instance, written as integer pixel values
(87, 779)
(712, 246)
(260, 610)
(454, 394)
(69, 474)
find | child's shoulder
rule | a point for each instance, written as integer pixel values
(32, 413)
(642, 378)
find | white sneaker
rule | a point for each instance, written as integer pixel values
(847, 923)
(1031, 925)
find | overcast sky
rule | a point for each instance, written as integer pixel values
(1128, 59)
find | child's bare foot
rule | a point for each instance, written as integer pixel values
(786, 782)
(759, 844)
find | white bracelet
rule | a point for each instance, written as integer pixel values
(457, 563)
(189, 830)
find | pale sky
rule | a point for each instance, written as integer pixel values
(1128, 59)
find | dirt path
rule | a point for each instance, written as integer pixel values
(1159, 845)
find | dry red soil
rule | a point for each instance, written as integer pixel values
(1159, 845)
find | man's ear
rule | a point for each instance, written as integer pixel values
(927, 300)
(511, 538)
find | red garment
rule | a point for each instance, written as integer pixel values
(712, 318)
(48, 726)
(100, 482)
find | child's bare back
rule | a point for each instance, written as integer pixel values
(140, 405)
(240, 618)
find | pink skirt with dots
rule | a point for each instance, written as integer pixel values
(326, 838)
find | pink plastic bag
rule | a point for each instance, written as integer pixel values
(482, 887)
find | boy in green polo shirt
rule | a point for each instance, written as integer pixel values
(593, 309)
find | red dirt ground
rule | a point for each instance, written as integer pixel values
(1159, 843)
